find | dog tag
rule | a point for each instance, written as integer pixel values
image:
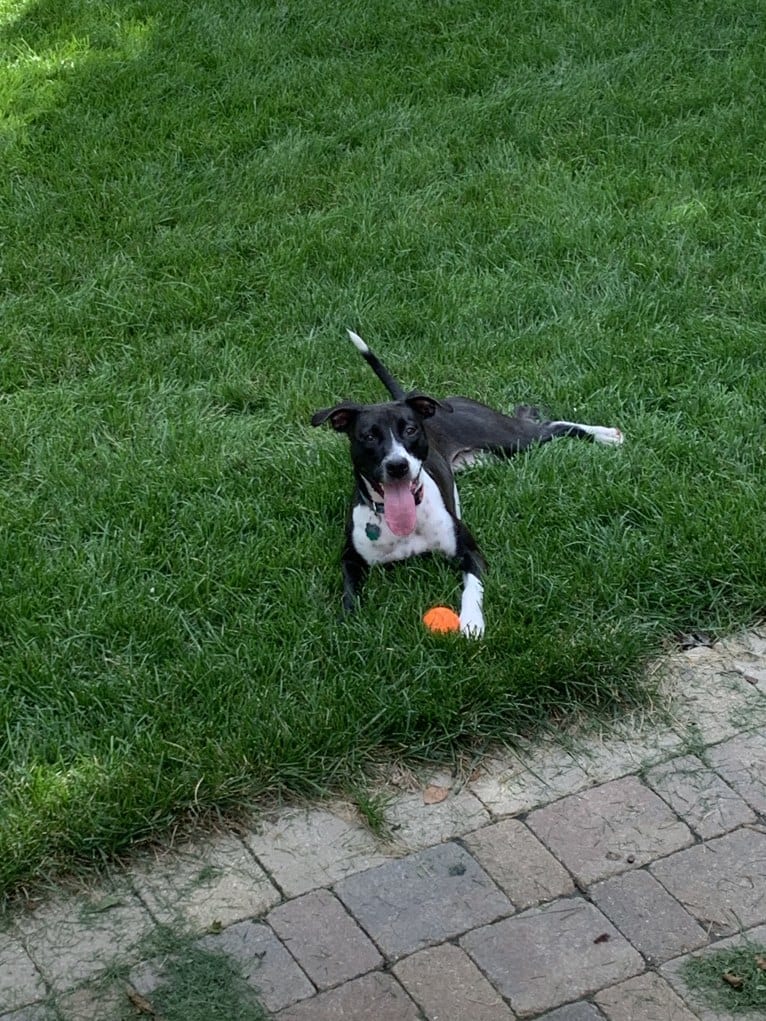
(372, 531)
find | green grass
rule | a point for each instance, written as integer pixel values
(731, 980)
(194, 981)
(558, 203)
(200, 985)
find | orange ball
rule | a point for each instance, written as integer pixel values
(441, 620)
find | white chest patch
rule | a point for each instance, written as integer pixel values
(434, 530)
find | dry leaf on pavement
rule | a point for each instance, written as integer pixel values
(433, 794)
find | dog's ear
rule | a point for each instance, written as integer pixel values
(342, 416)
(425, 406)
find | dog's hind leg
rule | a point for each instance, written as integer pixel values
(596, 433)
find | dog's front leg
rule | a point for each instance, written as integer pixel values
(354, 571)
(473, 567)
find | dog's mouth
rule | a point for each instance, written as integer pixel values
(400, 505)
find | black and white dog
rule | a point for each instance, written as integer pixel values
(404, 454)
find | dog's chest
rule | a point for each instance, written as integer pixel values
(434, 530)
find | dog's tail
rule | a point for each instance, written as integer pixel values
(379, 369)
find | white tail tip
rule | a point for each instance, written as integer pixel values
(357, 341)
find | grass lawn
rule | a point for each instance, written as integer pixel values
(559, 203)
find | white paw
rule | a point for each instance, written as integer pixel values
(603, 435)
(471, 616)
(472, 625)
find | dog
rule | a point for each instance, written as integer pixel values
(404, 454)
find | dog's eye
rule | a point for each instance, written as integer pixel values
(410, 430)
(369, 437)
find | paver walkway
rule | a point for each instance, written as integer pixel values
(568, 883)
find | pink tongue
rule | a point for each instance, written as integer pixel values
(399, 507)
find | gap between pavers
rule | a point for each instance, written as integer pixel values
(426, 898)
(521, 866)
(741, 761)
(374, 997)
(580, 1011)
(647, 997)
(552, 954)
(35, 1012)
(305, 849)
(609, 829)
(446, 984)
(721, 882)
(645, 913)
(699, 796)
(324, 939)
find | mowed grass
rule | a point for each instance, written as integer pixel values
(559, 203)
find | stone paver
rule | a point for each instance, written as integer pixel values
(749, 644)
(374, 997)
(423, 899)
(710, 699)
(754, 674)
(699, 1001)
(741, 761)
(552, 954)
(448, 986)
(523, 869)
(480, 921)
(97, 1001)
(748, 656)
(324, 939)
(303, 850)
(580, 1011)
(704, 801)
(626, 748)
(645, 998)
(20, 982)
(261, 959)
(35, 1012)
(609, 829)
(206, 885)
(415, 825)
(723, 882)
(642, 909)
(74, 938)
(532, 777)
(263, 962)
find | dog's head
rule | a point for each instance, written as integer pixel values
(389, 444)
(388, 441)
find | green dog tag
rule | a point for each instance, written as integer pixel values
(372, 531)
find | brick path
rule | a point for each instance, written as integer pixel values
(566, 884)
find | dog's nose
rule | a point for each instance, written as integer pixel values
(397, 468)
